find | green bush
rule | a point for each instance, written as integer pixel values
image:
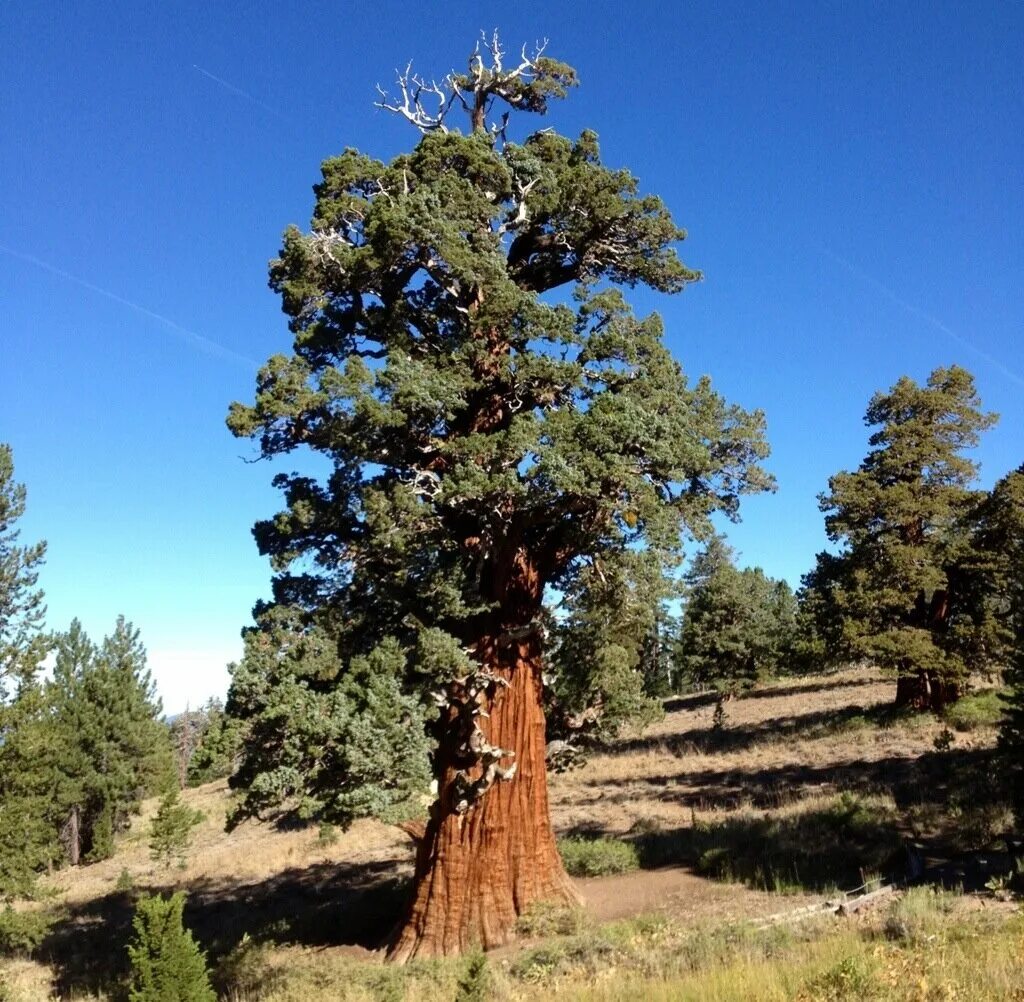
(166, 963)
(21, 933)
(475, 979)
(545, 918)
(171, 830)
(327, 835)
(983, 709)
(597, 857)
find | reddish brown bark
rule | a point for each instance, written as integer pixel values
(912, 691)
(925, 690)
(478, 871)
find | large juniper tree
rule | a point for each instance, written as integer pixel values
(892, 594)
(495, 418)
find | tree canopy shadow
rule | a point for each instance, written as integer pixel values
(697, 700)
(738, 737)
(810, 688)
(325, 904)
(930, 778)
(836, 846)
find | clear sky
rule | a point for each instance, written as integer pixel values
(851, 176)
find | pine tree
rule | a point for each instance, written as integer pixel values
(170, 833)
(27, 842)
(902, 520)
(113, 749)
(496, 420)
(1000, 541)
(206, 744)
(737, 624)
(22, 644)
(604, 628)
(166, 963)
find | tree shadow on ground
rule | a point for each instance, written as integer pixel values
(697, 700)
(739, 737)
(810, 688)
(834, 846)
(930, 778)
(318, 905)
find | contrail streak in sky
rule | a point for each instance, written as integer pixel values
(190, 337)
(916, 311)
(241, 93)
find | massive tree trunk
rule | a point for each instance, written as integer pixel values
(926, 690)
(921, 688)
(912, 691)
(478, 868)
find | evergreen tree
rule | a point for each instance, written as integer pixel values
(496, 420)
(902, 519)
(114, 750)
(737, 625)
(219, 742)
(170, 833)
(605, 629)
(1001, 540)
(29, 821)
(166, 963)
(22, 644)
(26, 841)
(205, 743)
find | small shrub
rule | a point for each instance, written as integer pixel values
(475, 979)
(327, 835)
(171, 830)
(166, 963)
(983, 709)
(849, 979)
(546, 918)
(597, 857)
(916, 915)
(943, 741)
(245, 971)
(125, 881)
(21, 933)
(718, 719)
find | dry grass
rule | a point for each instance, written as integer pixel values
(305, 911)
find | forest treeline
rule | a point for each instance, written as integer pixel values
(83, 738)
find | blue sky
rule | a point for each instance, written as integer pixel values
(850, 176)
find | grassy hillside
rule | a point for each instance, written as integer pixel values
(810, 788)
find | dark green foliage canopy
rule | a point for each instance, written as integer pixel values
(737, 624)
(206, 742)
(83, 750)
(26, 841)
(465, 361)
(606, 627)
(166, 963)
(902, 519)
(1001, 535)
